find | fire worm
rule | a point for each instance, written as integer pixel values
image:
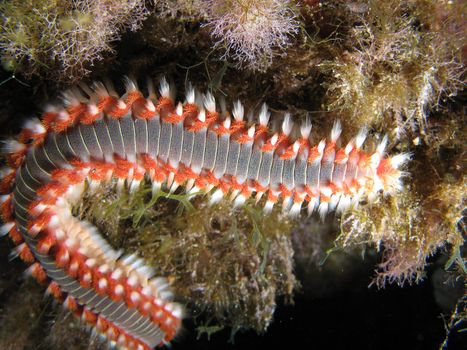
(96, 137)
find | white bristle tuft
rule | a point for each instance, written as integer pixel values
(179, 109)
(190, 94)
(149, 105)
(305, 128)
(400, 159)
(99, 89)
(159, 283)
(103, 268)
(117, 273)
(209, 102)
(312, 204)
(323, 210)
(296, 147)
(92, 109)
(258, 196)
(63, 115)
(321, 146)
(264, 115)
(71, 97)
(344, 203)
(361, 136)
(5, 171)
(348, 148)
(193, 191)
(164, 88)
(155, 187)
(234, 194)
(382, 145)
(216, 197)
(130, 84)
(5, 228)
(35, 126)
(202, 115)
(12, 146)
(239, 201)
(295, 210)
(4, 197)
(166, 295)
(274, 139)
(177, 311)
(170, 179)
(173, 187)
(327, 191)
(238, 111)
(377, 184)
(227, 123)
(134, 185)
(189, 185)
(121, 104)
(287, 124)
(268, 207)
(251, 131)
(336, 131)
(286, 204)
(334, 200)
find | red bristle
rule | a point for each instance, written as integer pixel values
(237, 126)
(243, 138)
(38, 273)
(7, 182)
(102, 324)
(85, 276)
(173, 118)
(62, 256)
(117, 113)
(15, 159)
(55, 290)
(37, 224)
(15, 236)
(341, 156)
(25, 136)
(133, 96)
(74, 265)
(164, 105)
(25, 253)
(6, 210)
(46, 243)
(68, 175)
(71, 304)
(89, 317)
(105, 103)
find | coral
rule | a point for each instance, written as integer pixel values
(228, 266)
(62, 39)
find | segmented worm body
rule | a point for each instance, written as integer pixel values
(97, 137)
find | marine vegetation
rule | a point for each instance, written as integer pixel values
(63, 39)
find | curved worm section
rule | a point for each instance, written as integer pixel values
(97, 137)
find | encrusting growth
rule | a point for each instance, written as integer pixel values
(97, 138)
